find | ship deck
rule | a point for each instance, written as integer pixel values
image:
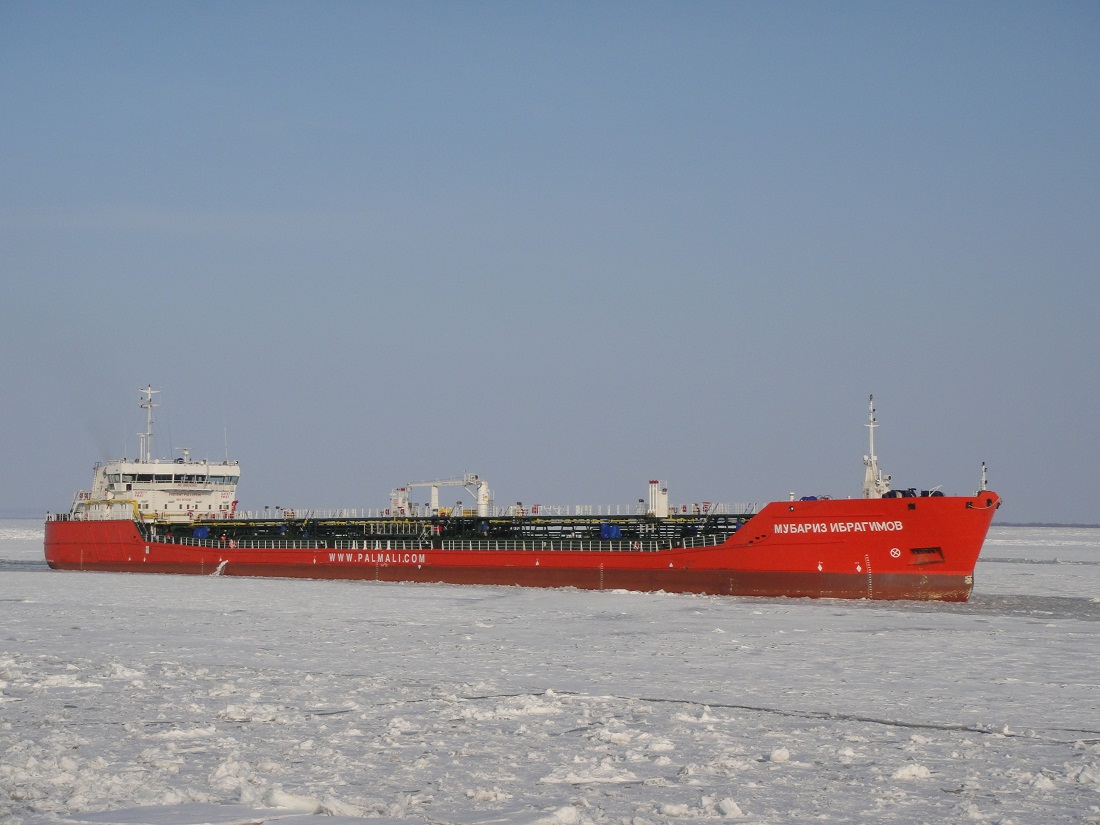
(582, 533)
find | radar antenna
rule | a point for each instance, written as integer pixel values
(875, 484)
(146, 438)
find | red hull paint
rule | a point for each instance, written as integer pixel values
(891, 548)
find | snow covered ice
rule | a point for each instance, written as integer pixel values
(180, 700)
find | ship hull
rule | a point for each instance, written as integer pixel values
(921, 548)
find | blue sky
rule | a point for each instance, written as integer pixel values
(568, 246)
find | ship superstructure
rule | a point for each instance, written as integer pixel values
(151, 489)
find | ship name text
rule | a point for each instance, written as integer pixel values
(840, 527)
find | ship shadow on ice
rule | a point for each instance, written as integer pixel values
(1047, 607)
(994, 604)
(24, 564)
(979, 605)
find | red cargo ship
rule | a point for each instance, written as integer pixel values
(181, 516)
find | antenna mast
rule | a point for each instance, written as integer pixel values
(875, 484)
(145, 439)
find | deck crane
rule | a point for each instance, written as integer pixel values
(472, 483)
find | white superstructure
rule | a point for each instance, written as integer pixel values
(163, 489)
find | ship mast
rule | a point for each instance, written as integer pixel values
(875, 484)
(145, 439)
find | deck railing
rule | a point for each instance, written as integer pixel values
(390, 522)
(468, 545)
(533, 511)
